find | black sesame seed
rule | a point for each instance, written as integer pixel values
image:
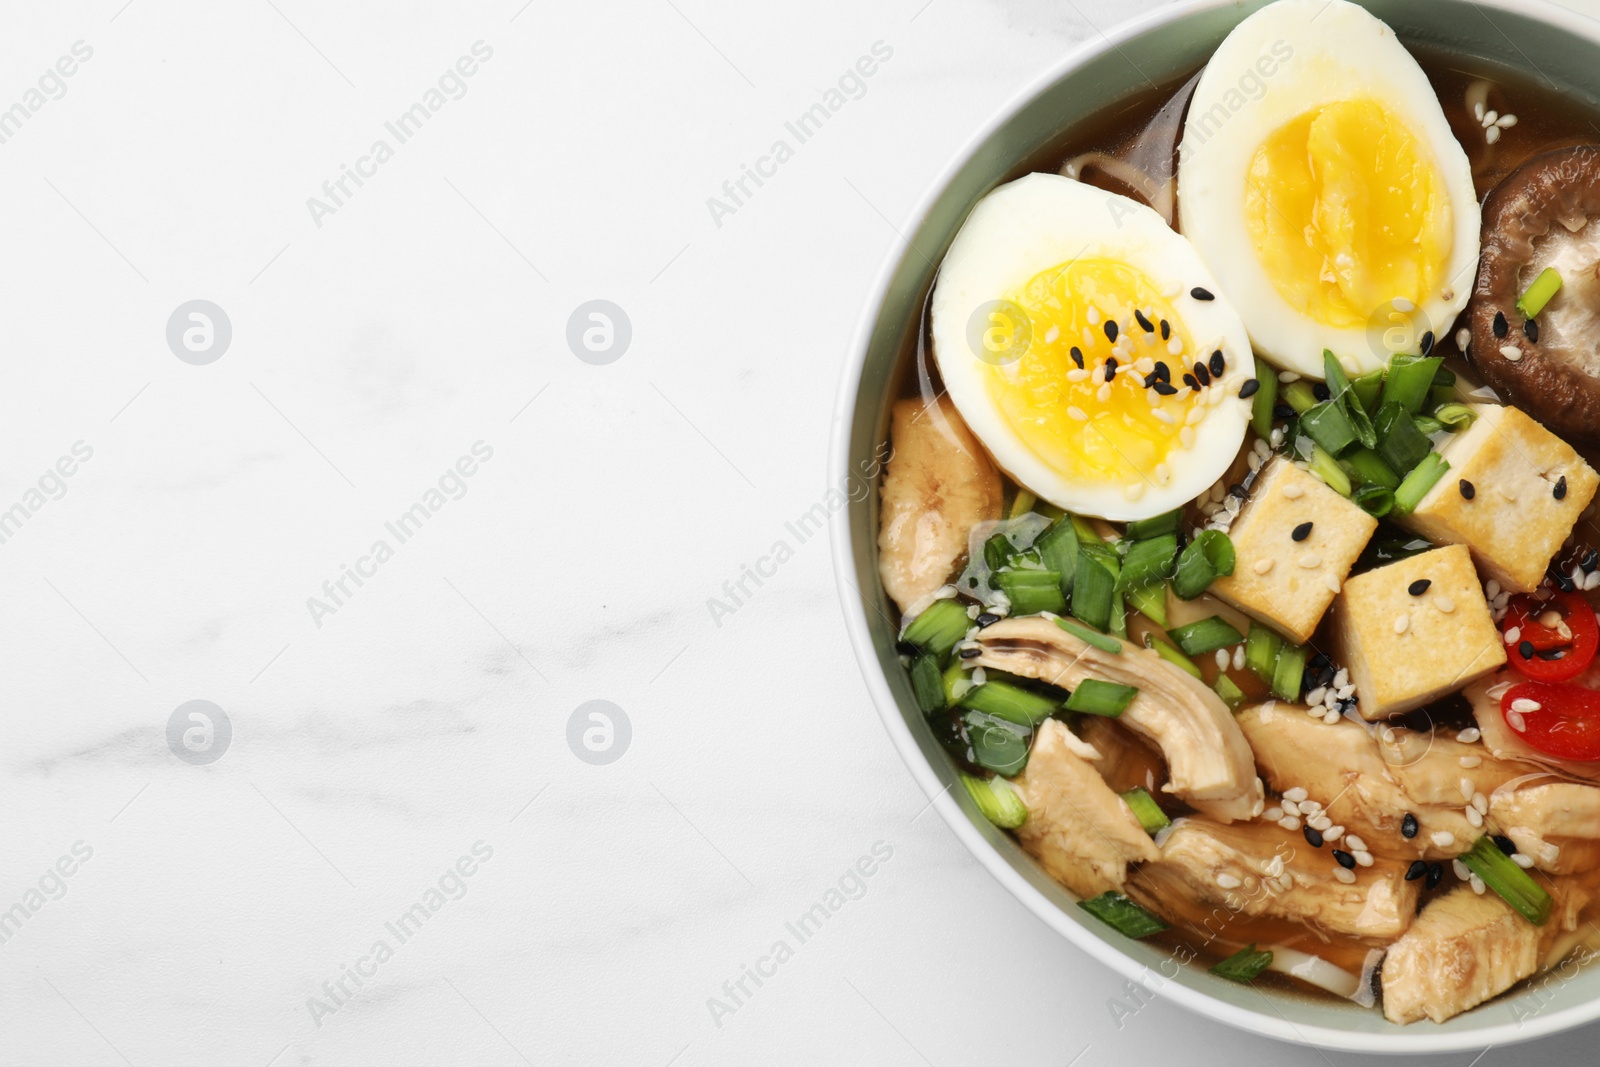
(1346, 860)
(1526, 648)
(988, 618)
(1144, 323)
(1500, 326)
(1201, 294)
(1313, 836)
(1237, 490)
(1189, 380)
(971, 653)
(1321, 659)
(1435, 875)
(1564, 583)
(1282, 411)
(1320, 391)
(1417, 588)
(1150, 379)
(1217, 363)
(1427, 342)
(1077, 356)
(1163, 371)
(1591, 561)
(1111, 365)
(1531, 328)
(1166, 330)
(1111, 330)
(1347, 705)
(1202, 374)
(1301, 532)
(1550, 654)
(1561, 488)
(1417, 869)
(1408, 826)
(1248, 389)
(1165, 388)
(1505, 844)
(1467, 490)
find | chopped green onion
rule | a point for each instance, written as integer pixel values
(1329, 426)
(1049, 510)
(1515, 886)
(1265, 400)
(1022, 503)
(1010, 702)
(1155, 526)
(1366, 388)
(1206, 635)
(1375, 500)
(1089, 637)
(1031, 591)
(1261, 649)
(1327, 468)
(1427, 424)
(1444, 376)
(1545, 286)
(1340, 394)
(997, 745)
(927, 682)
(1400, 443)
(997, 551)
(1289, 671)
(1092, 588)
(1408, 381)
(997, 800)
(1208, 557)
(1418, 482)
(1300, 396)
(1119, 616)
(1149, 601)
(1368, 468)
(1455, 415)
(1146, 810)
(1086, 531)
(1122, 915)
(1173, 656)
(939, 627)
(1333, 373)
(1148, 561)
(1058, 551)
(956, 680)
(1229, 691)
(1095, 697)
(1245, 965)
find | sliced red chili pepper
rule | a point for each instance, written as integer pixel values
(1552, 653)
(1565, 724)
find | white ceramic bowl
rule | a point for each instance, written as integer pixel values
(1508, 34)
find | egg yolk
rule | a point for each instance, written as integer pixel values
(1348, 212)
(1074, 420)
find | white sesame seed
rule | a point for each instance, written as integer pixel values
(1515, 720)
(1310, 560)
(1238, 658)
(1315, 711)
(1051, 334)
(1489, 117)
(1333, 833)
(1222, 659)
(1467, 788)
(1288, 376)
(1473, 817)
(1277, 439)
(1293, 491)
(1077, 374)
(1093, 315)
(1505, 122)
(1166, 417)
(1511, 352)
(1103, 393)
(1342, 678)
(1402, 622)
(1275, 868)
(1477, 883)
(1146, 365)
(1466, 737)
(1480, 803)
(1346, 691)
(1253, 461)
(1444, 604)
(1463, 338)
(1347, 877)
(1477, 111)
(1590, 581)
(1470, 761)
(1289, 822)
(1513, 635)
(1492, 134)
(1463, 872)
(1332, 582)
(1355, 844)
(1297, 794)
(1174, 347)
(1524, 705)
(1498, 690)
(1315, 696)
(1075, 412)
(1364, 858)
(1163, 474)
(1319, 822)
(1332, 717)
(1522, 860)
(1290, 807)
(1133, 490)
(1228, 881)
(1402, 304)
(1272, 814)
(1443, 838)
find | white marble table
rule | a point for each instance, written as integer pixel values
(398, 857)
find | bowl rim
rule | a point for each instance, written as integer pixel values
(1406, 1040)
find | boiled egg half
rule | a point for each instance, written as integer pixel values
(1087, 346)
(1319, 179)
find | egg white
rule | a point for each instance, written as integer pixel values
(1041, 221)
(1286, 59)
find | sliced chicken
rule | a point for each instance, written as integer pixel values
(1557, 824)
(1259, 870)
(1083, 834)
(1209, 765)
(939, 484)
(1369, 782)
(1466, 947)
(1503, 741)
(1126, 759)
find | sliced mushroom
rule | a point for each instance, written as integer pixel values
(1209, 764)
(938, 485)
(1082, 833)
(1541, 216)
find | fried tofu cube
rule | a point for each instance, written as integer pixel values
(1406, 648)
(1509, 513)
(1284, 583)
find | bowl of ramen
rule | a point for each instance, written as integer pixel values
(1229, 583)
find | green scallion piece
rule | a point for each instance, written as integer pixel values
(1416, 484)
(1095, 697)
(1022, 503)
(1205, 559)
(1206, 635)
(1087, 534)
(1375, 500)
(1444, 376)
(1058, 551)
(927, 682)
(1366, 467)
(1229, 691)
(996, 744)
(1032, 591)
(1155, 526)
(1408, 381)
(1092, 588)
(1122, 915)
(1149, 601)
(1265, 400)
(1146, 810)
(1173, 656)
(1119, 616)
(1148, 561)
(1300, 396)
(1327, 468)
(1514, 885)
(1545, 286)
(1245, 965)
(1289, 671)
(1366, 388)
(1089, 637)
(1010, 702)
(938, 628)
(1455, 415)
(998, 801)
(1400, 443)
(1261, 649)
(956, 680)
(1329, 425)
(997, 552)
(1427, 424)
(1333, 374)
